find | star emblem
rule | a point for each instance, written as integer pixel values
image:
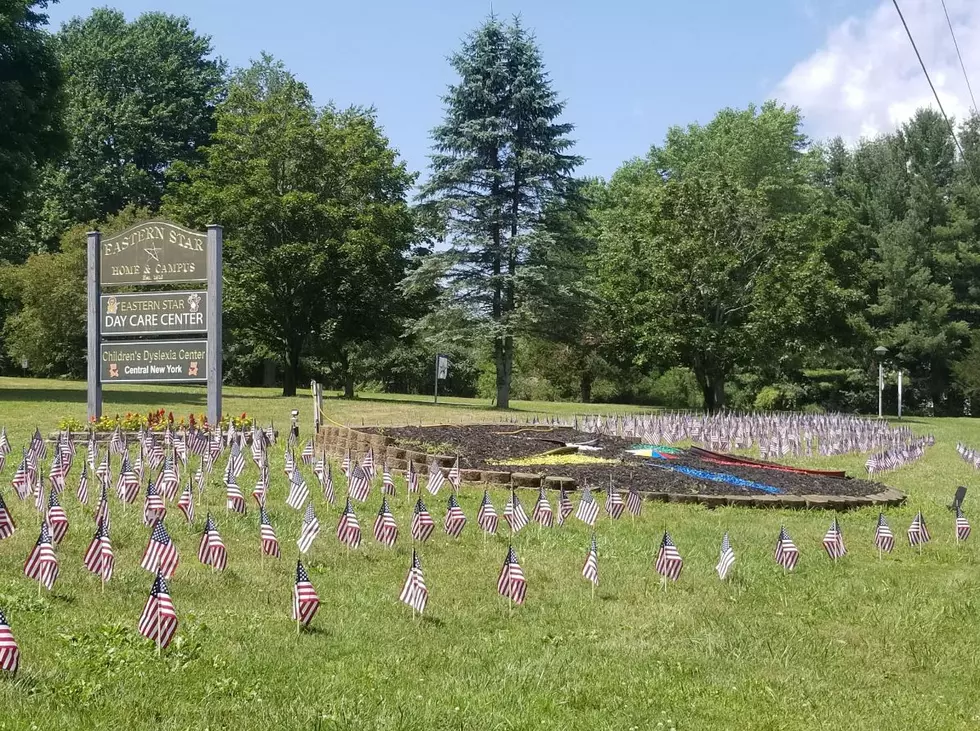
(153, 252)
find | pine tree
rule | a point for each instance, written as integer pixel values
(500, 158)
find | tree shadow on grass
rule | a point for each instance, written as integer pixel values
(79, 396)
(415, 402)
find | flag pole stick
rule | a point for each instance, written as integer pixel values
(159, 639)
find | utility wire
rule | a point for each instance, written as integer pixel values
(949, 124)
(960, 57)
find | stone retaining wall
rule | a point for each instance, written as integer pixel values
(336, 440)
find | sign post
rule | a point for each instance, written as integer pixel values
(153, 253)
(94, 382)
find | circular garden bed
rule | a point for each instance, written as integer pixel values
(532, 456)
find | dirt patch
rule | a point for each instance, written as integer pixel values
(684, 474)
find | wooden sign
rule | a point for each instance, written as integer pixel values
(151, 252)
(140, 361)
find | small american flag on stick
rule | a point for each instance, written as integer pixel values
(387, 484)
(99, 558)
(436, 479)
(669, 561)
(160, 555)
(310, 529)
(158, 622)
(414, 592)
(348, 529)
(591, 568)
(270, 544)
(328, 492)
(614, 502)
(565, 507)
(786, 554)
(514, 513)
(57, 518)
(305, 600)
(298, 491)
(422, 523)
(455, 519)
(358, 484)
(412, 477)
(884, 538)
(42, 563)
(9, 652)
(82, 492)
(588, 508)
(634, 503)
(211, 551)
(385, 528)
(186, 502)
(833, 541)
(511, 582)
(962, 525)
(153, 506)
(7, 525)
(918, 532)
(486, 516)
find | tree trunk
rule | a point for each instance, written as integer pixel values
(503, 355)
(348, 375)
(711, 380)
(585, 387)
(290, 375)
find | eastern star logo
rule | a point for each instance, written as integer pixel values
(193, 301)
(192, 368)
(113, 370)
(153, 252)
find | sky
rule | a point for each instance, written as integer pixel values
(627, 69)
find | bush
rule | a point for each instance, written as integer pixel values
(779, 397)
(677, 388)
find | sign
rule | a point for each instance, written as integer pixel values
(153, 251)
(153, 360)
(154, 313)
(442, 367)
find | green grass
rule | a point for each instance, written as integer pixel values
(860, 645)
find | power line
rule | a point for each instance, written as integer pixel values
(949, 124)
(962, 65)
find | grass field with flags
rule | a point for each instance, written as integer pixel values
(859, 643)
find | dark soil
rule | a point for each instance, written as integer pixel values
(477, 444)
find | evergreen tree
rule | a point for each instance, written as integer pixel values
(500, 159)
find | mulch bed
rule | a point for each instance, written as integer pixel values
(479, 445)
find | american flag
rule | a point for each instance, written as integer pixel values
(42, 563)
(307, 454)
(270, 544)
(117, 442)
(39, 502)
(328, 491)
(565, 507)
(368, 464)
(918, 533)
(104, 472)
(455, 520)
(543, 514)
(348, 529)
(56, 475)
(455, 475)
(833, 541)
(161, 552)
(37, 447)
(345, 465)
(4, 442)
(726, 558)
(261, 485)
(82, 492)
(186, 502)
(57, 518)
(436, 479)
(236, 459)
(32, 471)
(153, 506)
(137, 466)
(102, 508)
(385, 528)
(9, 652)
(99, 558)
(298, 491)
(154, 452)
(669, 561)
(962, 525)
(309, 531)
(7, 525)
(514, 513)
(588, 508)
(634, 503)
(258, 447)
(486, 516)
(511, 582)
(358, 484)
(614, 502)
(884, 538)
(128, 484)
(318, 469)
(158, 622)
(22, 480)
(211, 551)
(412, 477)
(387, 484)
(289, 465)
(787, 553)
(180, 450)
(591, 568)
(168, 480)
(305, 600)
(415, 593)
(234, 499)
(422, 523)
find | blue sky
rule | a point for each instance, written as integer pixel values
(629, 69)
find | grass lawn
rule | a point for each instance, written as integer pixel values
(862, 644)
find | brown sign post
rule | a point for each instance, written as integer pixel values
(152, 253)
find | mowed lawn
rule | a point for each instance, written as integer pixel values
(864, 644)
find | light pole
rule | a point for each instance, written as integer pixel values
(881, 351)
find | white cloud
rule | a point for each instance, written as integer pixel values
(866, 79)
